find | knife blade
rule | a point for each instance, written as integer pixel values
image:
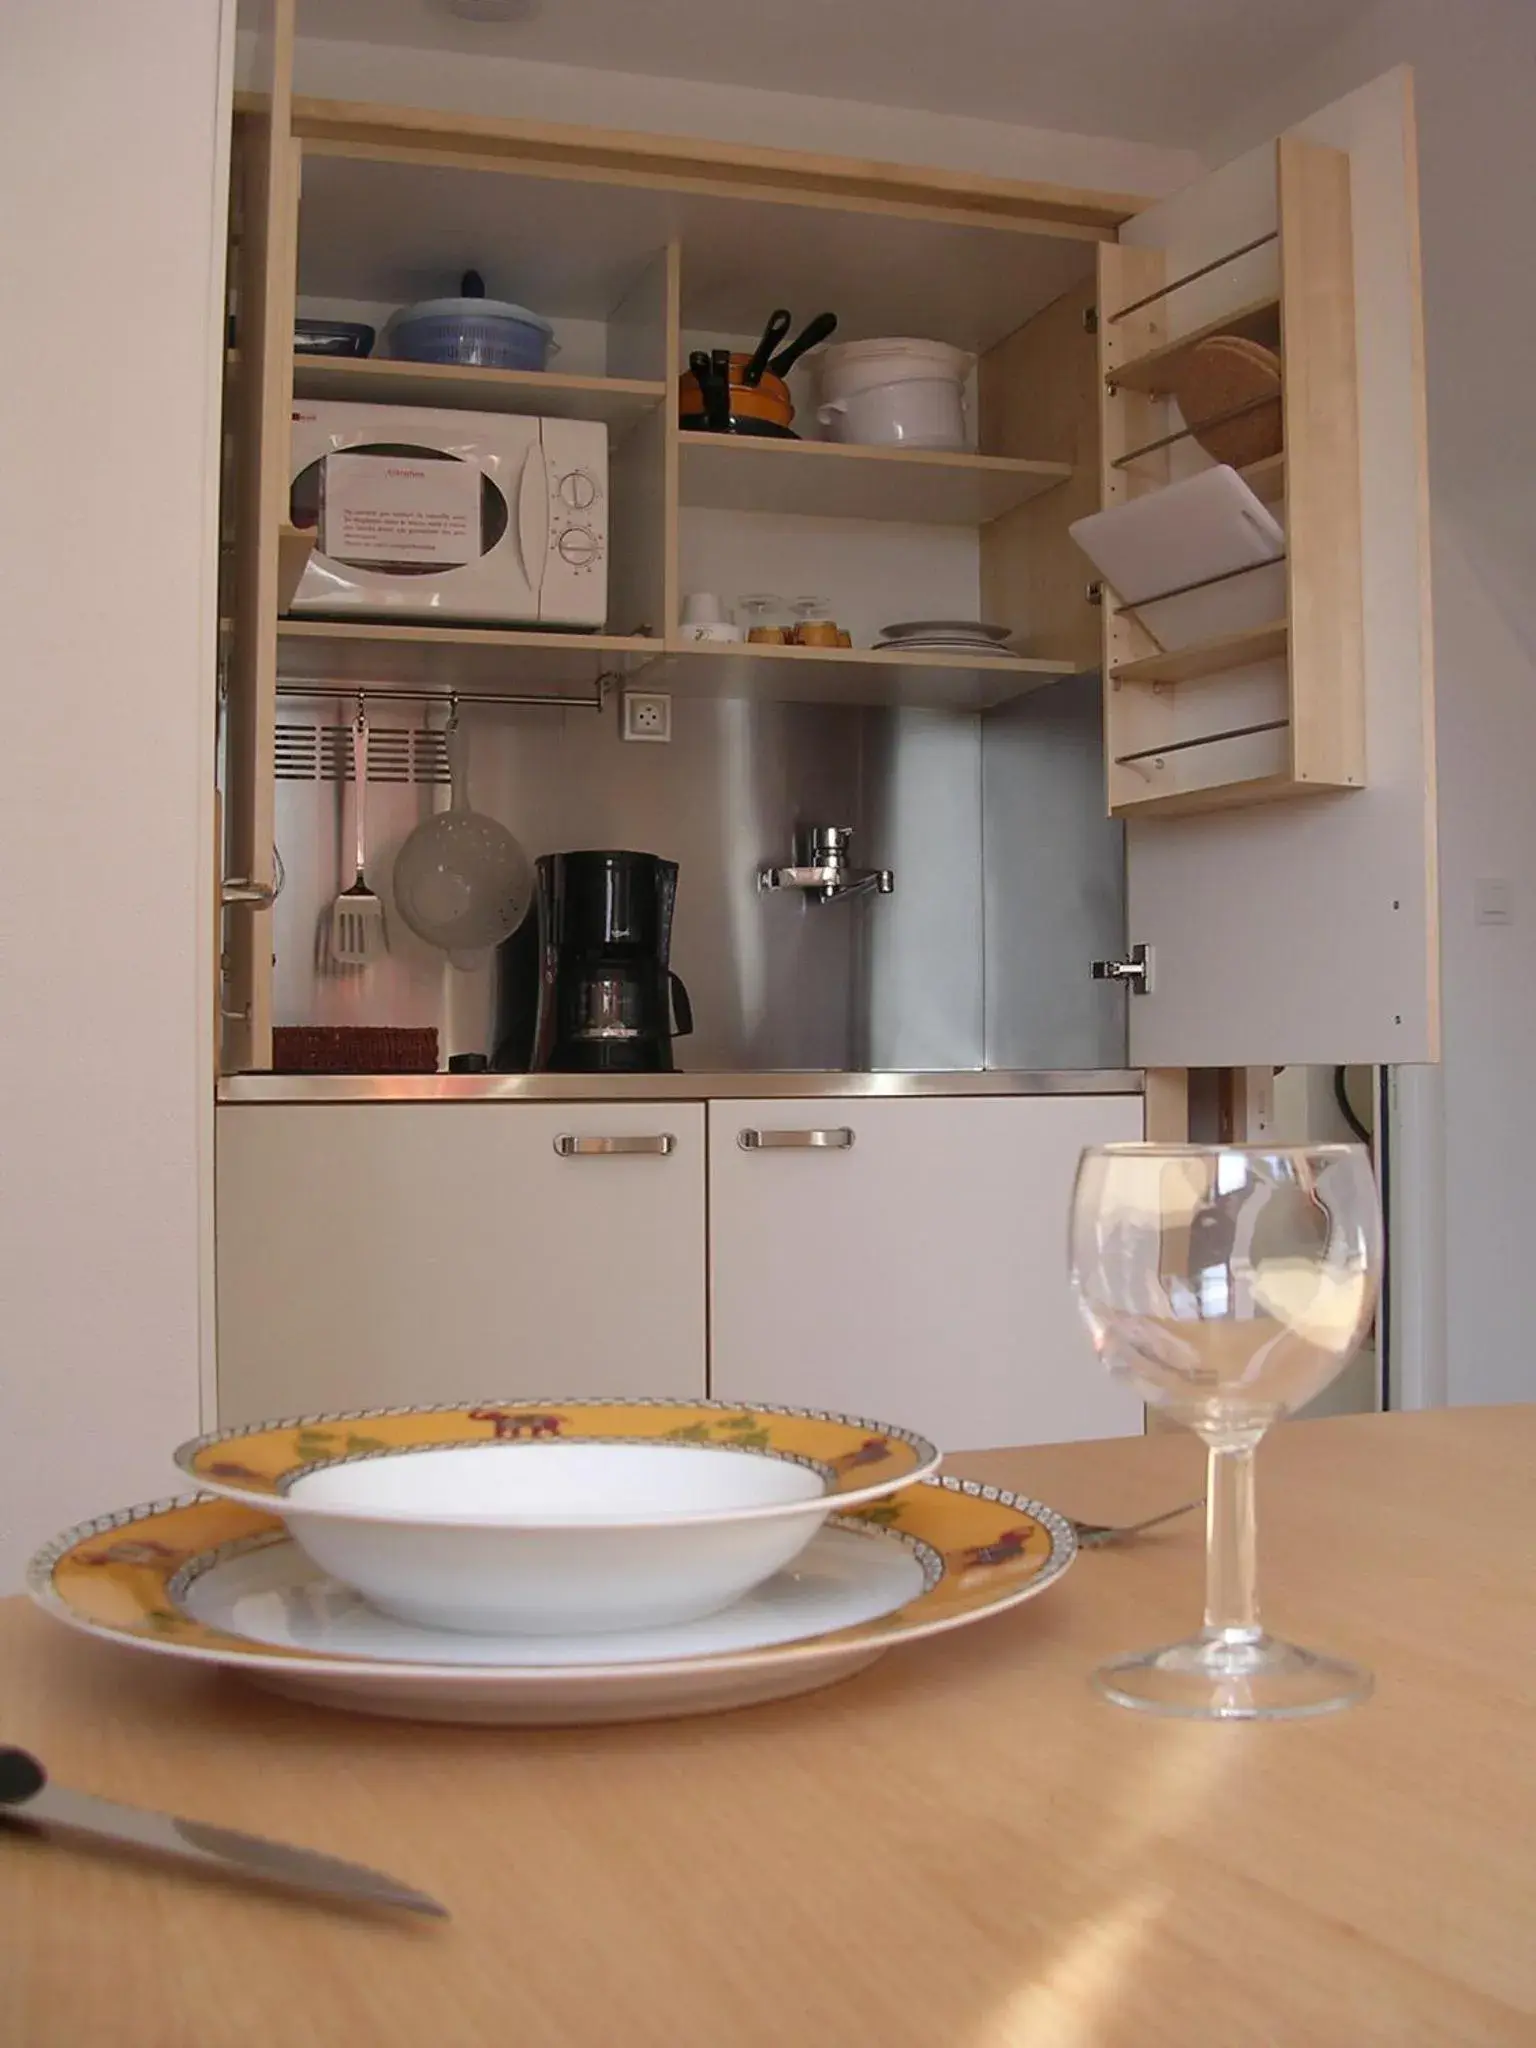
(29, 1801)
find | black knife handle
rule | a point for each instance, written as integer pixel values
(22, 1777)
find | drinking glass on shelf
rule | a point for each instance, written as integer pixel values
(814, 624)
(1228, 1285)
(761, 609)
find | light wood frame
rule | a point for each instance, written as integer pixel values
(266, 165)
(619, 155)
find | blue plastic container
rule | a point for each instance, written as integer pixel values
(483, 334)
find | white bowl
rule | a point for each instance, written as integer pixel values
(607, 1536)
(563, 1518)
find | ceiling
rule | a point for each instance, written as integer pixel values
(1161, 71)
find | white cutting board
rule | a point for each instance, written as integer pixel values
(1208, 525)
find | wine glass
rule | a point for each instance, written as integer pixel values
(1228, 1285)
(760, 611)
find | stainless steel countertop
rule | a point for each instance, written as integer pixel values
(244, 1088)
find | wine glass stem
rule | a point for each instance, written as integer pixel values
(1231, 1556)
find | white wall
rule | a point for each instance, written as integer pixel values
(514, 90)
(112, 163)
(1475, 63)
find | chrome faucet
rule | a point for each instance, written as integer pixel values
(823, 869)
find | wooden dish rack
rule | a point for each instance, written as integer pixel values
(1278, 710)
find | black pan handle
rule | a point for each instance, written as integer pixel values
(818, 330)
(682, 1007)
(773, 334)
(720, 390)
(704, 375)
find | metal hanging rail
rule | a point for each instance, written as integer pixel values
(1205, 739)
(553, 701)
(1216, 419)
(1202, 583)
(1191, 276)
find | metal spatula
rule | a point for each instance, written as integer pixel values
(357, 915)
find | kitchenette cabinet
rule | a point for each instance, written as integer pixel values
(901, 1259)
(373, 1256)
(907, 1259)
(1275, 785)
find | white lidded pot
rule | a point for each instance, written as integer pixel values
(858, 365)
(926, 412)
(895, 392)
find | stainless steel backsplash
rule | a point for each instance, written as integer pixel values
(943, 974)
(1055, 883)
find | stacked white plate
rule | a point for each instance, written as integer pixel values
(550, 1560)
(944, 636)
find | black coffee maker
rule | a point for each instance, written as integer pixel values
(583, 986)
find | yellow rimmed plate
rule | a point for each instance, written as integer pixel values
(125, 1578)
(858, 1459)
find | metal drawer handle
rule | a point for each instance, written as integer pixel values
(570, 1147)
(838, 1140)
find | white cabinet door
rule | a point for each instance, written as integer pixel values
(1307, 932)
(916, 1274)
(378, 1254)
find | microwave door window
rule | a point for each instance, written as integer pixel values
(404, 511)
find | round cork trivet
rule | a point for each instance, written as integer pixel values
(1219, 374)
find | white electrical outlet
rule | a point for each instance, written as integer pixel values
(647, 715)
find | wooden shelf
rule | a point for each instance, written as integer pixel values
(1229, 796)
(828, 480)
(386, 657)
(1156, 371)
(840, 675)
(617, 401)
(1207, 657)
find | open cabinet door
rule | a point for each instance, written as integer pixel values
(265, 177)
(1292, 917)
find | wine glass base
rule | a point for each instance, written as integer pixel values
(1219, 1677)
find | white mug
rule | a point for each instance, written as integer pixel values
(698, 631)
(702, 608)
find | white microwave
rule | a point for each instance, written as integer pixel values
(420, 514)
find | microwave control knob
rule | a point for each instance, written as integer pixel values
(578, 490)
(578, 545)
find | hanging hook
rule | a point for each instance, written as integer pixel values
(453, 712)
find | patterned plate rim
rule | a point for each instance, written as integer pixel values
(884, 1632)
(926, 1455)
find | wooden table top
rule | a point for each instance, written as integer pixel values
(960, 1848)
